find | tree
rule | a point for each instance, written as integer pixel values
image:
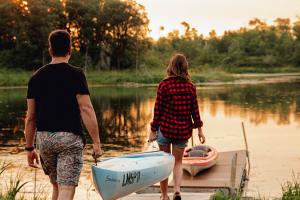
(126, 25)
(25, 39)
(257, 24)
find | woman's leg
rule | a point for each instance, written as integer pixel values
(164, 183)
(177, 171)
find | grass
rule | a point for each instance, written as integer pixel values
(4, 166)
(291, 190)
(13, 188)
(145, 75)
(221, 195)
(10, 77)
(154, 76)
(248, 69)
(105, 77)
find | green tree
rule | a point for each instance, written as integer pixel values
(126, 29)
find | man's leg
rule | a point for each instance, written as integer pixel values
(69, 164)
(164, 183)
(54, 191)
(66, 192)
(177, 171)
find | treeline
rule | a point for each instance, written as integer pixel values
(257, 45)
(106, 33)
(113, 34)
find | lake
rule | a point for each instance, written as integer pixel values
(270, 112)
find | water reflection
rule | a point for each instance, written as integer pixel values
(258, 103)
(124, 113)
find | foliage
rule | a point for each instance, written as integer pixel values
(113, 35)
(221, 195)
(291, 190)
(259, 45)
(105, 33)
(14, 77)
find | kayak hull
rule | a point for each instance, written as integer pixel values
(194, 165)
(120, 176)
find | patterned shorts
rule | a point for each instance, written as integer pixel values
(61, 156)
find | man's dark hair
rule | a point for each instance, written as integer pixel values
(60, 42)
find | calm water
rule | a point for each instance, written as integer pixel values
(271, 113)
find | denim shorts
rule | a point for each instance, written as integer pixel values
(161, 140)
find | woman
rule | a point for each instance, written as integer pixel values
(176, 113)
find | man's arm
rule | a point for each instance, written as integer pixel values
(90, 121)
(30, 129)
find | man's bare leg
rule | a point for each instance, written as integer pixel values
(66, 192)
(54, 191)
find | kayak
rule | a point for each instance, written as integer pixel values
(199, 158)
(119, 176)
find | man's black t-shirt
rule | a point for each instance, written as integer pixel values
(54, 88)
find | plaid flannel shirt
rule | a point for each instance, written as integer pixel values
(176, 110)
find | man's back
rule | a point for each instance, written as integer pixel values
(54, 88)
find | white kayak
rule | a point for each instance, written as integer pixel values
(119, 176)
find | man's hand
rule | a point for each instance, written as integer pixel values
(32, 159)
(97, 151)
(152, 136)
(201, 136)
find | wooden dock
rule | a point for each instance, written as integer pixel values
(185, 196)
(230, 173)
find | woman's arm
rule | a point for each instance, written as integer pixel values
(157, 109)
(197, 122)
(196, 117)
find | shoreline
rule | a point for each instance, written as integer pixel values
(242, 79)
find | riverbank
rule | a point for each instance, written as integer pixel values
(145, 76)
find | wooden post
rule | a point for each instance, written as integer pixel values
(233, 173)
(34, 186)
(247, 150)
(192, 139)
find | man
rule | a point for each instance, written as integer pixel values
(57, 99)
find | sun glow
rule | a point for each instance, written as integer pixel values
(218, 15)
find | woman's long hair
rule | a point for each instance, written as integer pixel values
(178, 67)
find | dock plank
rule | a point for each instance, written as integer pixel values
(185, 196)
(214, 178)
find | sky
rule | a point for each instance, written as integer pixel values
(221, 15)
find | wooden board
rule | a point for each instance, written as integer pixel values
(217, 177)
(185, 196)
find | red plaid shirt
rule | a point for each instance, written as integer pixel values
(176, 110)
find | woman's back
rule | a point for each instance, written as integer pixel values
(176, 107)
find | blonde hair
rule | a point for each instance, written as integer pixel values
(178, 67)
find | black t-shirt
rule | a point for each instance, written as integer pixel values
(54, 88)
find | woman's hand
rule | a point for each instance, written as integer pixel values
(201, 135)
(152, 136)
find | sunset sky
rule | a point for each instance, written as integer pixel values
(205, 15)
